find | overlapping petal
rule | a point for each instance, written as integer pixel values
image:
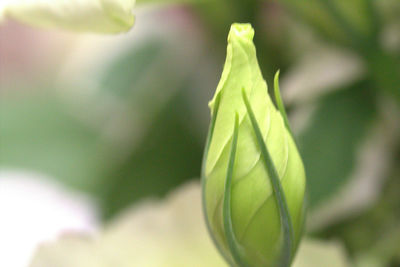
(255, 215)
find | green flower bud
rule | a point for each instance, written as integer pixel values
(253, 176)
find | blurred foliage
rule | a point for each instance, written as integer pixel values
(39, 133)
(168, 155)
(122, 74)
(337, 128)
(168, 151)
(376, 232)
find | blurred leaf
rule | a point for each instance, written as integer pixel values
(388, 10)
(360, 15)
(218, 15)
(341, 22)
(131, 68)
(358, 25)
(168, 155)
(144, 77)
(366, 181)
(38, 133)
(374, 236)
(150, 86)
(384, 69)
(330, 142)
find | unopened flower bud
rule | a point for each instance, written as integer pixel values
(252, 217)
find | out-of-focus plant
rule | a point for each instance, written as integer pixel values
(168, 233)
(253, 176)
(358, 26)
(349, 88)
(102, 16)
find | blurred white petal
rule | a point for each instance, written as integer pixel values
(317, 253)
(72, 251)
(169, 233)
(33, 210)
(154, 233)
(100, 16)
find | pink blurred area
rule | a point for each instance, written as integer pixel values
(27, 53)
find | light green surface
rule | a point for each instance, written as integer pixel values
(100, 16)
(255, 216)
(167, 233)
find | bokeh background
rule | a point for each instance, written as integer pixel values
(106, 121)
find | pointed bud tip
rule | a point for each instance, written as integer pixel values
(242, 31)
